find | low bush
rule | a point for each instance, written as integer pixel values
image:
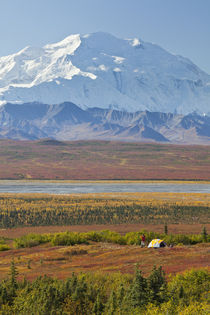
(4, 247)
(31, 240)
(75, 252)
(68, 239)
(131, 238)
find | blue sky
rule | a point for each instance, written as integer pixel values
(180, 26)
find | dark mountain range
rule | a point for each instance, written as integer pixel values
(67, 121)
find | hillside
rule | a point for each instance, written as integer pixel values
(52, 159)
(67, 121)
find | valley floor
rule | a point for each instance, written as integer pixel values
(120, 228)
(99, 160)
(61, 261)
(151, 210)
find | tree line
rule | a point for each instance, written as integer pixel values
(98, 294)
(53, 210)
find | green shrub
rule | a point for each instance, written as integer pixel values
(93, 236)
(131, 238)
(31, 240)
(4, 247)
(68, 239)
(112, 237)
(75, 252)
(2, 240)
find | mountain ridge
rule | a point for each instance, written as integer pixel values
(101, 70)
(67, 121)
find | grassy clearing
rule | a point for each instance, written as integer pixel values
(60, 254)
(61, 261)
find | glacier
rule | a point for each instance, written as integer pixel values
(101, 70)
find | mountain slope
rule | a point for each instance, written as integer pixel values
(67, 121)
(100, 70)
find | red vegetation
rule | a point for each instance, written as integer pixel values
(102, 160)
(101, 257)
(120, 228)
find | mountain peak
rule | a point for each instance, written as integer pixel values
(99, 35)
(72, 40)
(101, 70)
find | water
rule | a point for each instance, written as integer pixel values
(81, 187)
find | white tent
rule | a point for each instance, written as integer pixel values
(157, 243)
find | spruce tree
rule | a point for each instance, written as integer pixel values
(157, 285)
(138, 293)
(4, 296)
(204, 234)
(13, 275)
(98, 306)
(29, 264)
(112, 303)
(120, 294)
(181, 292)
(166, 228)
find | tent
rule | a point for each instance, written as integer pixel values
(156, 243)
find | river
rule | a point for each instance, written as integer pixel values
(100, 187)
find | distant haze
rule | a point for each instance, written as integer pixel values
(67, 121)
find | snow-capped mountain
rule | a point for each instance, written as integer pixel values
(100, 70)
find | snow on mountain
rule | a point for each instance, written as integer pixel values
(100, 70)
